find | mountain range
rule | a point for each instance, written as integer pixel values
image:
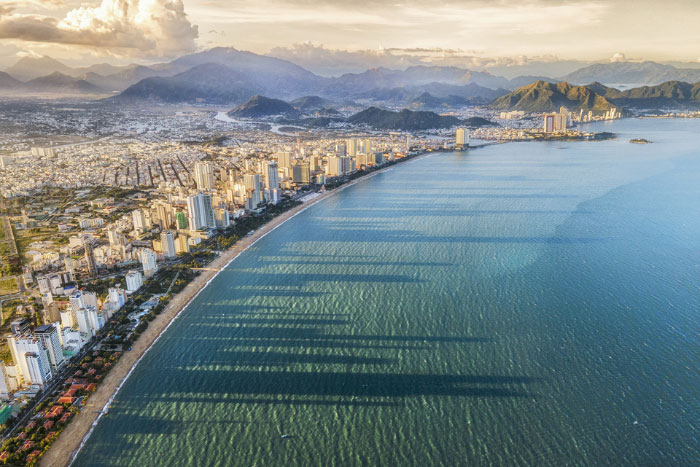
(632, 73)
(226, 76)
(541, 96)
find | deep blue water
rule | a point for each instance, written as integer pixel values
(520, 304)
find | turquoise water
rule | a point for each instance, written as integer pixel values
(519, 304)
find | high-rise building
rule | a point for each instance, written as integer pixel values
(548, 125)
(181, 245)
(38, 368)
(167, 241)
(284, 159)
(33, 370)
(139, 220)
(181, 219)
(272, 176)
(204, 176)
(351, 147)
(48, 335)
(201, 212)
(335, 166)
(148, 262)
(462, 137)
(90, 258)
(253, 190)
(117, 296)
(88, 321)
(301, 173)
(165, 215)
(134, 280)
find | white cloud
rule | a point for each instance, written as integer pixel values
(122, 27)
(618, 57)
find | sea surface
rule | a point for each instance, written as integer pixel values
(519, 304)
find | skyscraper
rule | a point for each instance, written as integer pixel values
(90, 257)
(204, 176)
(548, 125)
(201, 212)
(181, 219)
(167, 241)
(37, 368)
(148, 262)
(284, 159)
(351, 147)
(253, 190)
(48, 336)
(462, 137)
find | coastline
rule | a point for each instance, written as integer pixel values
(65, 449)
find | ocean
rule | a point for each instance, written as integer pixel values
(518, 304)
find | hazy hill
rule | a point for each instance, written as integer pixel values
(382, 78)
(310, 103)
(261, 106)
(8, 82)
(650, 73)
(209, 83)
(428, 101)
(672, 94)
(61, 84)
(546, 97)
(29, 68)
(405, 120)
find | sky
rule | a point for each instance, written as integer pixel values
(477, 33)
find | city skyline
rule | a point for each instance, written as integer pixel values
(474, 34)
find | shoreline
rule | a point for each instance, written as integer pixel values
(69, 444)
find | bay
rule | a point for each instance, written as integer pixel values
(519, 304)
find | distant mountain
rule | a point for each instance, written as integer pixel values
(28, 68)
(672, 94)
(8, 82)
(276, 77)
(428, 101)
(520, 81)
(405, 120)
(59, 83)
(261, 106)
(381, 78)
(209, 83)
(650, 73)
(225, 76)
(309, 103)
(546, 97)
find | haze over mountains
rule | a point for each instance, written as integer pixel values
(226, 76)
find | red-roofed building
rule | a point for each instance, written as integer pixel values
(48, 424)
(4, 455)
(33, 456)
(27, 445)
(91, 387)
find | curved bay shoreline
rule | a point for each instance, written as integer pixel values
(66, 448)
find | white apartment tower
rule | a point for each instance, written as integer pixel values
(200, 212)
(204, 176)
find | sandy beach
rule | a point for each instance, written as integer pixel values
(69, 442)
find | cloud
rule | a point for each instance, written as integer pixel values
(122, 27)
(329, 62)
(618, 57)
